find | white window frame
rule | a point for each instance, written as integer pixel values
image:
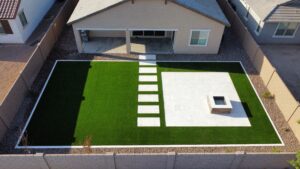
(278, 36)
(191, 32)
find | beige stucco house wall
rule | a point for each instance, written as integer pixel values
(155, 15)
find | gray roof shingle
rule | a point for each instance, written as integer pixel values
(9, 8)
(209, 8)
(288, 12)
(276, 10)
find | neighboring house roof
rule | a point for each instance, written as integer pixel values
(209, 8)
(276, 10)
(289, 12)
(9, 8)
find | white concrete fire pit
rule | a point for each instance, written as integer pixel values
(219, 104)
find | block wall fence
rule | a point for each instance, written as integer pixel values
(286, 102)
(238, 160)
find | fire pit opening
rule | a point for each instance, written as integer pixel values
(219, 104)
(219, 100)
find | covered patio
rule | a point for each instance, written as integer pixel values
(104, 45)
(125, 41)
(151, 45)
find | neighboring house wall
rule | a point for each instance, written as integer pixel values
(16, 37)
(34, 14)
(145, 14)
(265, 36)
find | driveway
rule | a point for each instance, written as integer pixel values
(286, 59)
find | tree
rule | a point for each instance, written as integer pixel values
(296, 163)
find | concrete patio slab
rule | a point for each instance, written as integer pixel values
(151, 45)
(105, 45)
(186, 100)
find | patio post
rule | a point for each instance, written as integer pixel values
(78, 40)
(128, 47)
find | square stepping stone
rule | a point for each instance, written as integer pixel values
(147, 78)
(147, 63)
(148, 109)
(147, 57)
(148, 98)
(148, 122)
(148, 88)
(147, 70)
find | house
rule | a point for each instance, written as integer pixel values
(19, 18)
(271, 21)
(148, 26)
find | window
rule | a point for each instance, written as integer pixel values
(1, 29)
(247, 15)
(199, 37)
(160, 33)
(286, 29)
(23, 18)
(137, 33)
(149, 33)
(258, 28)
(247, 8)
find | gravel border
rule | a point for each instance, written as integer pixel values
(230, 50)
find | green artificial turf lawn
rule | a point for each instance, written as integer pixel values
(99, 100)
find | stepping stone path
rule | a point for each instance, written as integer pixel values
(148, 70)
(147, 63)
(148, 122)
(148, 88)
(147, 78)
(146, 109)
(148, 97)
(147, 57)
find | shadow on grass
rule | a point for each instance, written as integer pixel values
(230, 67)
(247, 109)
(54, 120)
